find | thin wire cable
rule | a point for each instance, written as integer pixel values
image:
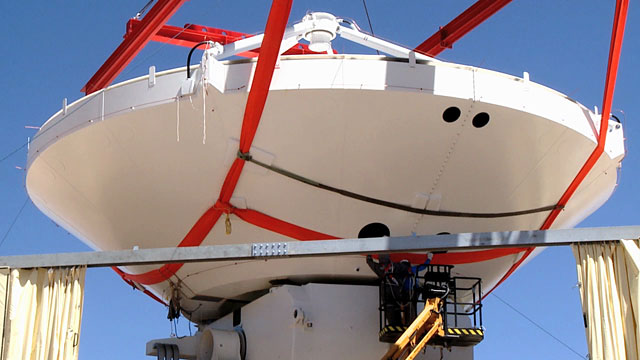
(144, 9)
(13, 152)
(366, 11)
(539, 326)
(15, 219)
(44, 130)
(142, 61)
(130, 69)
(102, 116)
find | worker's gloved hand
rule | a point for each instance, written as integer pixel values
(384, 259)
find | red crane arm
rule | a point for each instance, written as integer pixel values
(191, 34)
(460, 26)
(152, 27)
(131, 46)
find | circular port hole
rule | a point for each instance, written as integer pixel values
(451, 114)
(374, 230)
(480, 120)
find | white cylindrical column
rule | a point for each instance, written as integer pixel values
(220, 345)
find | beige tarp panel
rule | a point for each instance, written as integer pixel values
(44, 309)
(609, 285)
(4, 284)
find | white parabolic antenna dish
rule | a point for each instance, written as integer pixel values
(421, 146)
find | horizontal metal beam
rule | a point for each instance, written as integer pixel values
(472, 17)
(319, 248)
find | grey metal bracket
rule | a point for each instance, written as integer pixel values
(269, 249)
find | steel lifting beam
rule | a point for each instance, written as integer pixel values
(319, 248)
(460, 26)
(191, 34)
(131, 45)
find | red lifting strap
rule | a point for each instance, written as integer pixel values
(279, 226)
(194, 237)
(253, 112)
(151, 295)
(615, 47)
(299, 233)
(269, 52)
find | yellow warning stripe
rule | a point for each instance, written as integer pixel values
(393, 328)
(454, 331)
(451, 331)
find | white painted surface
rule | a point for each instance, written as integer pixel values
(112, 171)
(339, 322)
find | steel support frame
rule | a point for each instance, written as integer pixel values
(475, 15)
(189, 35)
(152, 27)
(131, 46)
(192, 34)
(325, 248)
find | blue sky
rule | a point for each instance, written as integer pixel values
(50, 49)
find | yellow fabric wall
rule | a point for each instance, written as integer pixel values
(44, 310)
(4, 284)
(609, 290)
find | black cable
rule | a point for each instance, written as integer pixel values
(366, 11)
(10, 154)
(189, 57)
(364, 2)
(389, 204)
(615, 118)
(15, 219)
(538, 326)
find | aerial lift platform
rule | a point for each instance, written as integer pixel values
(435, 291)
